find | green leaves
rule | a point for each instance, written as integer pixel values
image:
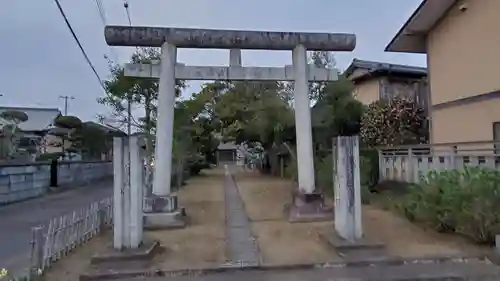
(141, 92)
(337, 112)
(397, 121)
(463, 201)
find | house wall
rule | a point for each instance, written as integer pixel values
(52, 144)
(464, 123)
(367, 91)
(372, 90)
(463, 62)
(463, 52)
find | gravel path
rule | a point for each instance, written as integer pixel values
(241, 245)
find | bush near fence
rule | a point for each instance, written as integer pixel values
(463, 201)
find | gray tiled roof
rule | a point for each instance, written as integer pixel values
(103, 127)
(38, 118)
(375, 66)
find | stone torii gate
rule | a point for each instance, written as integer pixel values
(161, 208)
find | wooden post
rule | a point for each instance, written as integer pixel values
(37, 245)
(282, 167)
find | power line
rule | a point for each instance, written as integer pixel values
(100, 9)
(102, 14)
(125, 5)
(127, 11)
(79, 44)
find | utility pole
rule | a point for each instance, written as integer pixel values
(66, 98)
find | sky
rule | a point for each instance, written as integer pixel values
(41, 61)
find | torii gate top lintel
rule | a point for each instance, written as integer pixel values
(227, 39)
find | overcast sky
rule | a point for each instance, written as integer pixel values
(41, 61)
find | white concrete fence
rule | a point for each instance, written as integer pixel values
(65, 233)
(411, 163)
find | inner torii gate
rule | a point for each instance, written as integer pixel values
(161, 208)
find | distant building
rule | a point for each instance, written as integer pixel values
(108, 155)
(35, 129)
(375, 81)
(226, 152)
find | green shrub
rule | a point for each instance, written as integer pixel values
(463, 201)
(369, 170)
(291, 170)
(324, 174)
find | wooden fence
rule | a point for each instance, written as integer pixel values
(411, 163)
(67, 232)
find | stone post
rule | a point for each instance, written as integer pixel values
(165, 121)
(348, 190)
(37, 255)
(307, 205)
(126, 200)
(136, 192)
(118, 193)
(305, 160)
(161, 209)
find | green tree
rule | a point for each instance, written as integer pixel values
(141, 93)
(65, 127)
(336, 112)
(92, 140)
(11, 133)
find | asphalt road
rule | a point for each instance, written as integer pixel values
(17, 219)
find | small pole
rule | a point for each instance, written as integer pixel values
(36, 250)
(102, 217)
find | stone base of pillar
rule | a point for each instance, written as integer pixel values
(309, 208)
(163, 212)
(356, 249)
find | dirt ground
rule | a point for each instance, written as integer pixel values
(201, 244)
(405, 239)
(281, 242)
(265, 197)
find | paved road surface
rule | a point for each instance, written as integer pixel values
(17, 219)
(445, 271)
